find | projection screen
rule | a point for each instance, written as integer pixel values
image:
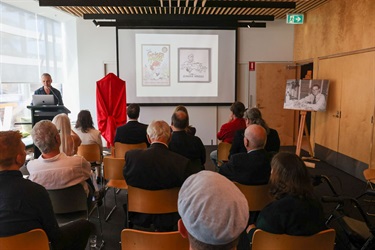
(178, 66)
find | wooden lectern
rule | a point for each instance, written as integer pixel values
(45, 112)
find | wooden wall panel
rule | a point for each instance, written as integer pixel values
(338, 26)
(355, 123)
(352, 93)
(271, 82)
(326, 124)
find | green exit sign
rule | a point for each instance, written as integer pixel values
(294, 18)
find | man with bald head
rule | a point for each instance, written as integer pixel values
(253, 167)
(184, 144)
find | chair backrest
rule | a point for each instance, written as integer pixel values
(139, 240)
(152, 201)
(324, 240)
(35, 239)
(369, 175)
(223, 152)
(257, 196)
(113, 168)
(91, 152)
(68, 200)
(122, 148)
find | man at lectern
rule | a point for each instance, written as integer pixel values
(47, 89)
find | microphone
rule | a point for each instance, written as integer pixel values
(53, 93)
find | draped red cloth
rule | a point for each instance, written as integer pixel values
(110, 106)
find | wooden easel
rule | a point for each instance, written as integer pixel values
(303, 128)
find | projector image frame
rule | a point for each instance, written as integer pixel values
(194, 65)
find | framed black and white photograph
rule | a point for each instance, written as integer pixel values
(309, 95)
(194, 65)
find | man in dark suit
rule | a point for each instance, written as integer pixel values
(133, 132)
(253, 167)
(184, 144)
(156, 168)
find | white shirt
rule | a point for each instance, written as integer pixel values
(320, 101)
(93, 136)
(60, 171)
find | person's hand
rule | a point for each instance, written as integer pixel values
(250, 227)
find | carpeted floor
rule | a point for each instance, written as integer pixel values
(342, 182)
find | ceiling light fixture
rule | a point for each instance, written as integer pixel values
(96, 23)
(256, 25)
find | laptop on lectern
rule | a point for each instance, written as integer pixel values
(39, 100)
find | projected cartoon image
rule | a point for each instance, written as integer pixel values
(310, 95)
(155, 63)
(194, 65)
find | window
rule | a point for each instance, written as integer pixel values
(30, 45)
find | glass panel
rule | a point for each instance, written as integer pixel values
(30, 45)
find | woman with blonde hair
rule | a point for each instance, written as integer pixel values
(69, 140)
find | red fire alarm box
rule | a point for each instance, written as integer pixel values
(251, 66)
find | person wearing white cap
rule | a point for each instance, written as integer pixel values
(213, 212)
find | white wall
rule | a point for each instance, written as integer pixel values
(95, 46)
(272, 44)
(70, 85)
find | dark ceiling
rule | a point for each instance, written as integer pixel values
(214, 14)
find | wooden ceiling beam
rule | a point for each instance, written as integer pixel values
(185, 17)
(162, 24)
(174, 3)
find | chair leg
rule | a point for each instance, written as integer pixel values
(126, 215)
(96, 207)
(114, 207)
(101, 228)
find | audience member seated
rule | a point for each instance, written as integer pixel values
(25, 205)
(253, 167)
(54, 169)
(213, 212)
(227, 130)
(156, 168)
(183, 143)
(84, 128)
(133, 132)
(295, 211)
(70, 141)
(190, 130)
(253, 116)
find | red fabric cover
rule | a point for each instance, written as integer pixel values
(110, 106)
